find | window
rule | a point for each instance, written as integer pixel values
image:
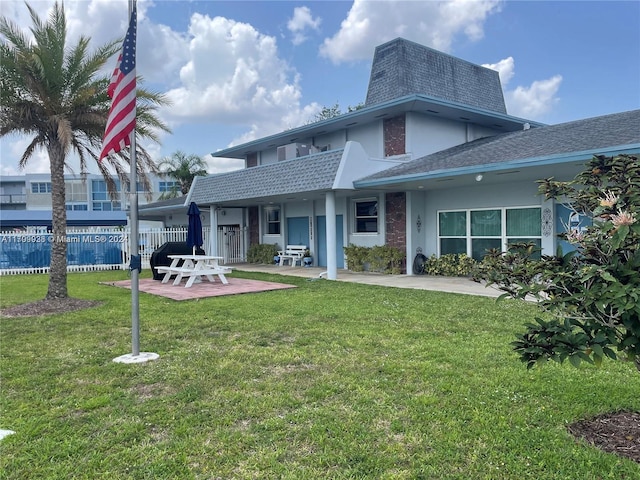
(139, 186)
(168, 186)
(473, 232)
(273, 221)
(76, 207)
(453, 232)
(41, 187)
(106, 206)
(99, 190)
(75, 191)
(366, 216)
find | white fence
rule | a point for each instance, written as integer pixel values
(105, 249)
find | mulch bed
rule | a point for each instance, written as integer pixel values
(617, 433)
(48, 306)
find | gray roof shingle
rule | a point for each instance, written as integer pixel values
(585, 135)
(402, 68)
(305, 174)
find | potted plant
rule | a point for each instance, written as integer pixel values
(307, 259)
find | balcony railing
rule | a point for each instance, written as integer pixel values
(8, 198)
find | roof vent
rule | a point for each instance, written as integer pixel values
(526, 126)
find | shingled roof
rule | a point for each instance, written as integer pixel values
(588, 136)
(402, 68)
(312, 173)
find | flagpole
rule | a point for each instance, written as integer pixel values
(134, 254)
(135, 282)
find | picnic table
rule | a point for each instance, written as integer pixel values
(293, 253)
(194, 267)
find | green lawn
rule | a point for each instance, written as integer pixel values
(328, 380)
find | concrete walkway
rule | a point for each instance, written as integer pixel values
(420, 282)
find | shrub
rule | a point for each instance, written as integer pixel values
(379, 258)
(262, 253)
(356, 257)
(592, 294)
(450, 265)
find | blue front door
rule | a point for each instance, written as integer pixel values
(322, 241)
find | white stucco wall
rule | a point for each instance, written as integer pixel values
(370, 137)
(416, 238)
(427, 134)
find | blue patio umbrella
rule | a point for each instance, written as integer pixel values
(194, 230)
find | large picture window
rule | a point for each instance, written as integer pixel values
(473, 232)
(366, 216)
(273, 221)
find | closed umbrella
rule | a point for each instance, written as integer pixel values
(194, 230)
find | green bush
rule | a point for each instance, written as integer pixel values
(590, 295)
(356, 257)
(262, 253)
(450, 265)
(379, 258)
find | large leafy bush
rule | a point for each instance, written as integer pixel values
(592, 294)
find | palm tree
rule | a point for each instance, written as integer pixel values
(183, 168)
(55, 94)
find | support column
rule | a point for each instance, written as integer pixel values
(332, 261)
(213, 232)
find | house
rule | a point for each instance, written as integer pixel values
(432, 164)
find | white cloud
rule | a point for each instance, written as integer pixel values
(301, 21)
(505, 69)
(530, 102)
(435, 24)
(222, 164)
(234, 75)
(534, 101)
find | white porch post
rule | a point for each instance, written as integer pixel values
(213, 232)
(332, 261)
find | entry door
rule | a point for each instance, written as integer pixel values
(322, 241)
(298, 231)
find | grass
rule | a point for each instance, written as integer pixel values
(330, 380)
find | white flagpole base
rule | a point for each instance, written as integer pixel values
(142, 357)
(4, 433)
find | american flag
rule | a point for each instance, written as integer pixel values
(122, 90)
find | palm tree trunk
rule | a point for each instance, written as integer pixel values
(58, 267)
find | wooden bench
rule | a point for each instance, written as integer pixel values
(293, 253)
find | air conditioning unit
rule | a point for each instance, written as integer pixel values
(294, 150)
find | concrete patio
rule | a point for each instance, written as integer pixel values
(421, 282)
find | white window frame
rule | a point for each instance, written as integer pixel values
(267, 222)
(167, 186)
(356, 216)
(504, 238)
(41, 187)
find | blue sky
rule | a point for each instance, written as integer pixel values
(239, 70)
